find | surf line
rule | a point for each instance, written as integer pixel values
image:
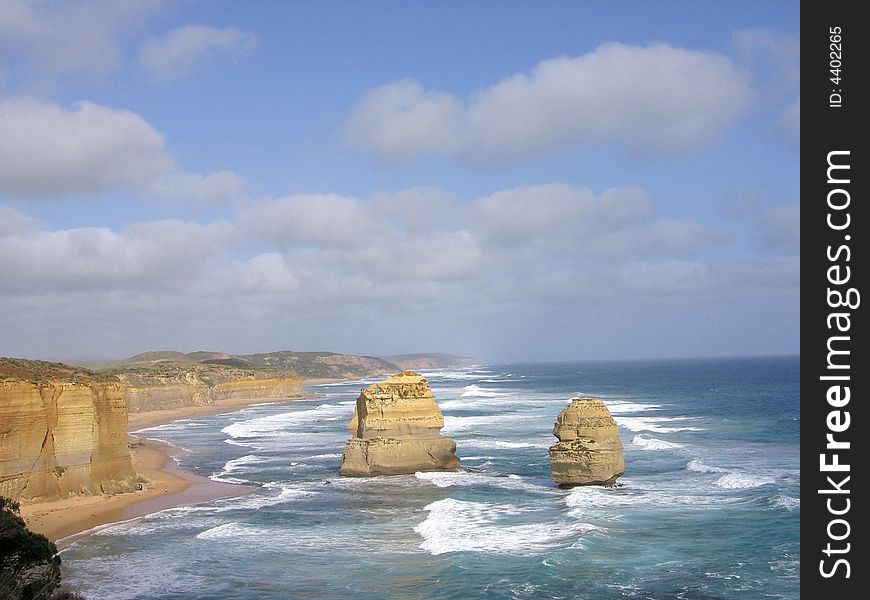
(840, 300)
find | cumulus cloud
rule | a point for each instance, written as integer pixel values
(324, 269)
(98, 259)
(181, 49)
(310, 219)
(59, 38)
(307, 240)
(47, 150)
(656, 98)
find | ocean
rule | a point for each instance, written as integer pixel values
(709, 506)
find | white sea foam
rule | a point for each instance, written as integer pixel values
(453, 424)
(655, 444)
(786, 502)
(239, 466)
(652, 424)
(601, 501)
(161, 522)
(456, 374)
(598, 497)
(328, 455)
(228, 531)
(743, 481)
(353, 382)
(468, 402)
(459, 526)
(261, 499)
(264, 426)
(502, 444)
(618, 407)
(699, 467)
(476, 391)
(468, 479)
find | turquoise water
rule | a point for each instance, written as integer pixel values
(708, 508)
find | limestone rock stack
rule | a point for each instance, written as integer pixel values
(398, 430)
(589, 451)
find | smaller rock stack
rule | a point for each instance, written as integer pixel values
(589, 451)
(397, 431)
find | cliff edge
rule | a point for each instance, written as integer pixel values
(63, 432)
(175, 385)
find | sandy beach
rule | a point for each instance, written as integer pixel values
(165, 485)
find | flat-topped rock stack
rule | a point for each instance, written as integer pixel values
(589, 451)
(397, 430)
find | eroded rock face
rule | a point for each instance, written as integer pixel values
(63, 438)
(589, 451)
(151, 392)
(397, 431)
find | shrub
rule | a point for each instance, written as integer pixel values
(29, 563)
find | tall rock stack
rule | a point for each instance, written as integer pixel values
(589, 451)
(398, 431)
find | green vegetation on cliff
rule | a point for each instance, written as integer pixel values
(308, 365)
(22, 369)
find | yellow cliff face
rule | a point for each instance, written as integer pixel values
(194, 391)
(276, 387)
(63, 438)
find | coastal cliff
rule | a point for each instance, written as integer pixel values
(169, 386)
(398, 431)
(63, 432)
(589, 451)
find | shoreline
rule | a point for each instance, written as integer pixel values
(167, 485)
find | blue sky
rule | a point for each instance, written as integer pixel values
(516, 181)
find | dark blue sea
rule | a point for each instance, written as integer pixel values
(709, 506)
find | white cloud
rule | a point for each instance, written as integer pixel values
(13, 222)
(525, 213)
(97, 259)
(656, 98)
(310, 219)
(402, 119)
(58, 38)
(773, 58)
(47, 150)
(318, 270)
(213, 188)
(181, 49)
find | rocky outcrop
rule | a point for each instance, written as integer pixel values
(398, 431)
(63, 438)
(589, 451)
